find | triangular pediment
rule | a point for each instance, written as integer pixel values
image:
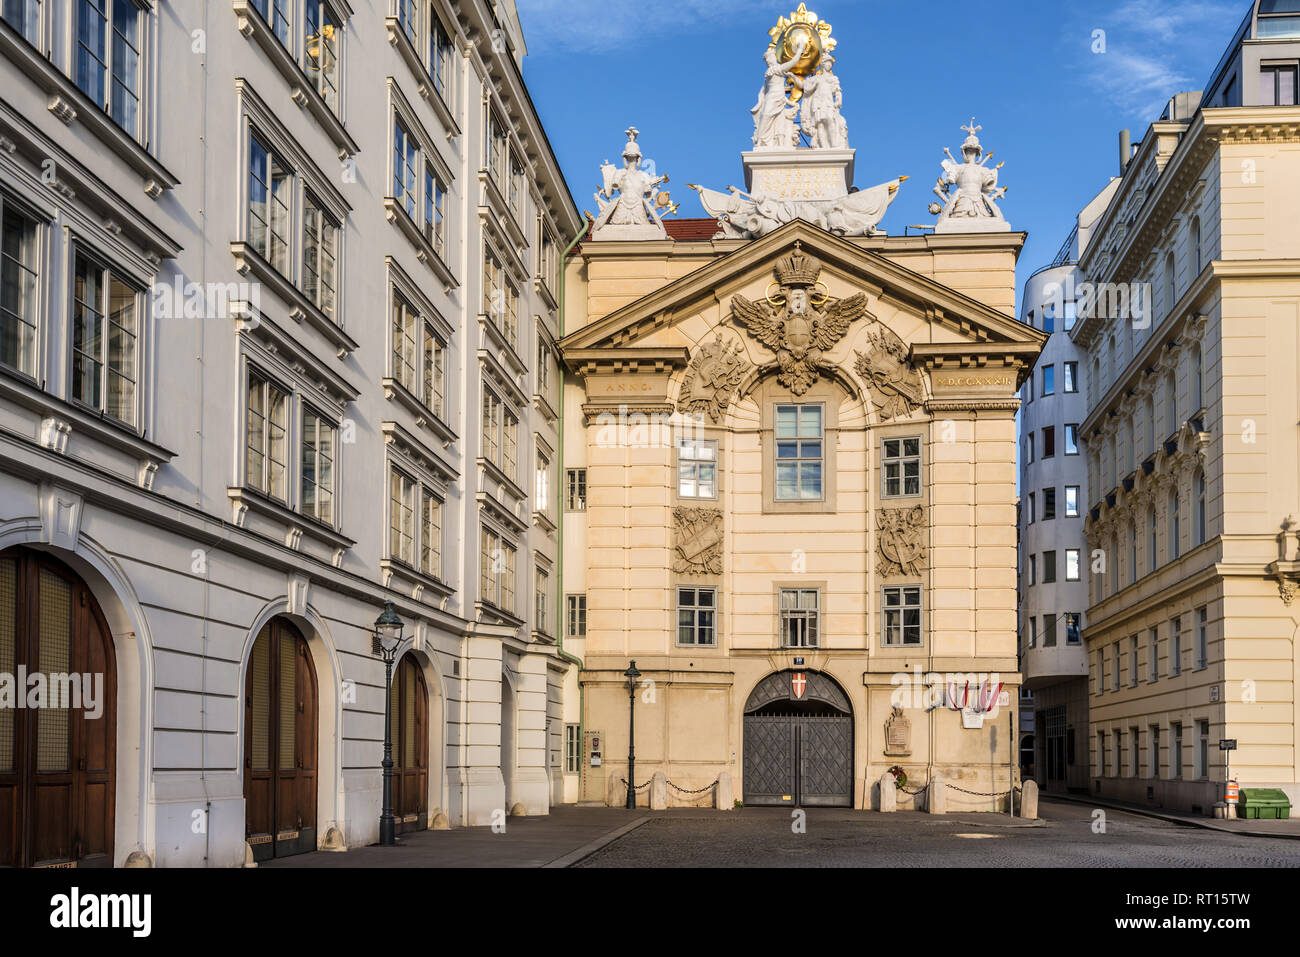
(969, 321)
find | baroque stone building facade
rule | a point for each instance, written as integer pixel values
(1191, 439)
(277, 343)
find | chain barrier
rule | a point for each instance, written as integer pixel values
(984, 794)
(921, 790)
(683, 790)
(639, 787)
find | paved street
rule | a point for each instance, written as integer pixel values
(762, 837)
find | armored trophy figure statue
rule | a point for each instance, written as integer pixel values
(969, 190)
(629, 198)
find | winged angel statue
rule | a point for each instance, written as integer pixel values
(798, 324)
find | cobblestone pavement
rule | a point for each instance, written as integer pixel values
(762, 837)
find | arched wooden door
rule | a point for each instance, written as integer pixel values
(58, 717)
(280, 744)
(410, 746)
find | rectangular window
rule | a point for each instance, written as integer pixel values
(1049, 567)
(1202, 639)
(408, 18)
(799, 448)
(25, 17)
(401, 518)
(575, 490)
(18, 288)
(404, 331)
(1033, 569)
(1176, 648)
(1072, 564)
(1277, 84)
(1049, 380)
(1029, 447)
(1049, 441)
(1071, 439)
(435, 212)
(500, 298)
(1031, 509)
(321, 51)
(1116, 666)
(901, 462)
(902, 615)
(1049, 631)
(542, 491)
(1133, 662)
(270, 198)
(441, 58)
(1153, 754)
(1071, 314)
(497, 571)
(1072, 501)
(697, 617)
(541, 586)
(572, 749)
(800, 608)
(431, 535)
(104, 334)
(1071, 370)
(266, 438)
(1119, 753)
(697, 468)
(1153, 654)
(1073, 632)
(1133, 736)
(318, 456)
(1049, 504)
(320, 255)
(108, 57)
(406, 161)
(1049, 318)
(1101, 753)
(516, 197)
(575, 614)
(1033, 632)
(434, 359)
(496, 150)
(1176, 752)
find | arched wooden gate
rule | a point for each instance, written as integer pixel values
(798, 747)
(410, 746)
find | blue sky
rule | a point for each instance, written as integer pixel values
(687, 73)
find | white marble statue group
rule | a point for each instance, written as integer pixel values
(631, 205)
(817, 110)
(968, 191)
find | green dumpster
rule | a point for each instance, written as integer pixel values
(1268, 804)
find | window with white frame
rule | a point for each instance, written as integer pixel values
(496, 150)
(1101, 754)
(1073, 633)
(697, 610)
(1072, 564)
(575, 490)
(320, 255)
(800, 610)
(542, 492)
(433, 358)
(406, 169)
(266, 434)
(1116, 666)
(1071, 501)
(320, 53)
(1133, 661)
(1176, 751)
(1153, 752)
(435, 210)
(319, 446)
(1153, 654)
(1202, 749)
(1199, 484)
(1134, 737)
(1202, 638)
(108, 57)
(25, 17)
(415, 522)
(901, 467)
(408, 18)
(405, 330)
(1176, 648)
(575, 616)
(19, 290)
(105, 330)
(902, 615)
(1175, 526)
(500, 433)
(697, 468)
(572, 749)
(442, 58)
(500, 297)
(270, 205)
(516, 188)
(497, 570)
(541, 588)
(800, 449)
(418, 356)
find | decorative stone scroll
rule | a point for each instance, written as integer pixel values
(716, 371)
(894, 383)
(900, 542)
(697, 541)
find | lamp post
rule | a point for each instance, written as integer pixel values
(388, 635)
(631, 674)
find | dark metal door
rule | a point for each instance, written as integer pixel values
(825, 748)
(769, 759)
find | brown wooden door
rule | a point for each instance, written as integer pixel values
(410, 721)
(58, 717)
(280, 744)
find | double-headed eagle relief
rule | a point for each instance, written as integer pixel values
(798, 323)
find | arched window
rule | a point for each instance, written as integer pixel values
(1175, 529)
(1151, 540)
(1200, 508)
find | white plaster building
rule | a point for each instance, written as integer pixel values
(277, 327)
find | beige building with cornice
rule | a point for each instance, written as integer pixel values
(1192, 441)
(781, 537)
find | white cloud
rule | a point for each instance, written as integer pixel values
(598, 26)
(1156, 48)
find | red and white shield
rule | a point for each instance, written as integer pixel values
(799, 683)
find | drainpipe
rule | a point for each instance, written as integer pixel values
(559, 500)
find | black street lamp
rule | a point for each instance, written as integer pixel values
(631, 675)
(388, 636)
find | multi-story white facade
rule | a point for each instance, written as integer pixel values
(1054, 561)
(1192, 441)
(276, 344)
